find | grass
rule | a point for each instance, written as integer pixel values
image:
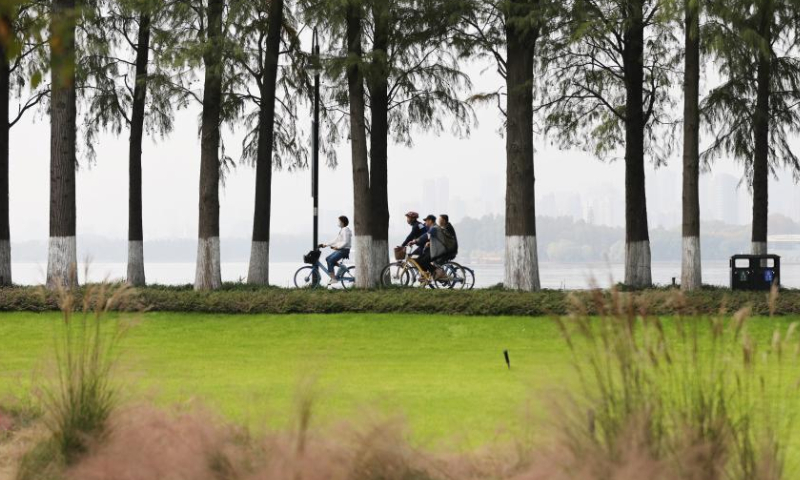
(692, 394)
(445, 374)
(236, 298)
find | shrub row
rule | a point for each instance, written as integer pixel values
(242, 299)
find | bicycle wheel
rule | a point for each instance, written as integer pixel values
(469, 279)
(348, 278)
(396, 275)
(457, 275)
(307, 277)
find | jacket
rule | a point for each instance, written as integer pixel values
(417, 230)
(443, 242)
(450, 239)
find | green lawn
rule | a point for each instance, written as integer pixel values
(445, 374)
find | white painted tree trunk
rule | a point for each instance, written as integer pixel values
(5, 263)
(208, 275)
(362, 250)
(62, 263)
(379, 259)
(758, 248)
(638, 264)
(258, 272)
(136, 263)
(522, 263)
(691, 274)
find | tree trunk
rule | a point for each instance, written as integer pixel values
(521, 258)
(208, 276)
(637, 238)
(761, 140)
(358, 144)
(62, 251)
(136, 276)
(5, 91)
(379, 141)
(691, 273)
(258, 272)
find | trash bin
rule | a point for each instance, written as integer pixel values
(755, 272)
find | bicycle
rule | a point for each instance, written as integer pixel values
(309, 276)
(407, 272)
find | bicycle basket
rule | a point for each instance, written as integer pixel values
(312, 257)
(399, 253)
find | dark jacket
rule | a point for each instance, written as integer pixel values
(450, 239)
(417, 230)
(425, 236)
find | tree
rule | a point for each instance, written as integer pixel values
(22, 61)
(521, 259)
(62, 249)
(518, 25)
(208, 275)
(266, 32)
(203, 32)
(754, 111)
(378, 73)
(358, 145)
(126, 90)
(258, 272)
(135, 272)
(691, 272)
(609, 78)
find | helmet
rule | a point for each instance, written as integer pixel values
(412, 215)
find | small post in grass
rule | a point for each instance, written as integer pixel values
(508, 361)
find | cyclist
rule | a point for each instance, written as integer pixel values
(424, 243)
(417, 230)
(442, 245)
(340, 247)
(449, 239)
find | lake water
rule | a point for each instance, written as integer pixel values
(553, 275)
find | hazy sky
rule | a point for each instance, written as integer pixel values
(475, 167)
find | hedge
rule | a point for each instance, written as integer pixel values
(235, 298)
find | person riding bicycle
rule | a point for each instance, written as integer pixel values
(340, 246)
(442, 245)
(424, 242)
(449, 239)
(417, 230)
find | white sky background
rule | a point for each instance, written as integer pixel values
(474, 166)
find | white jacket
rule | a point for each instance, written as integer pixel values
(343, 240)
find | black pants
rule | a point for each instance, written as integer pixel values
(424, 260)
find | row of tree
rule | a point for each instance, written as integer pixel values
(595, 74)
